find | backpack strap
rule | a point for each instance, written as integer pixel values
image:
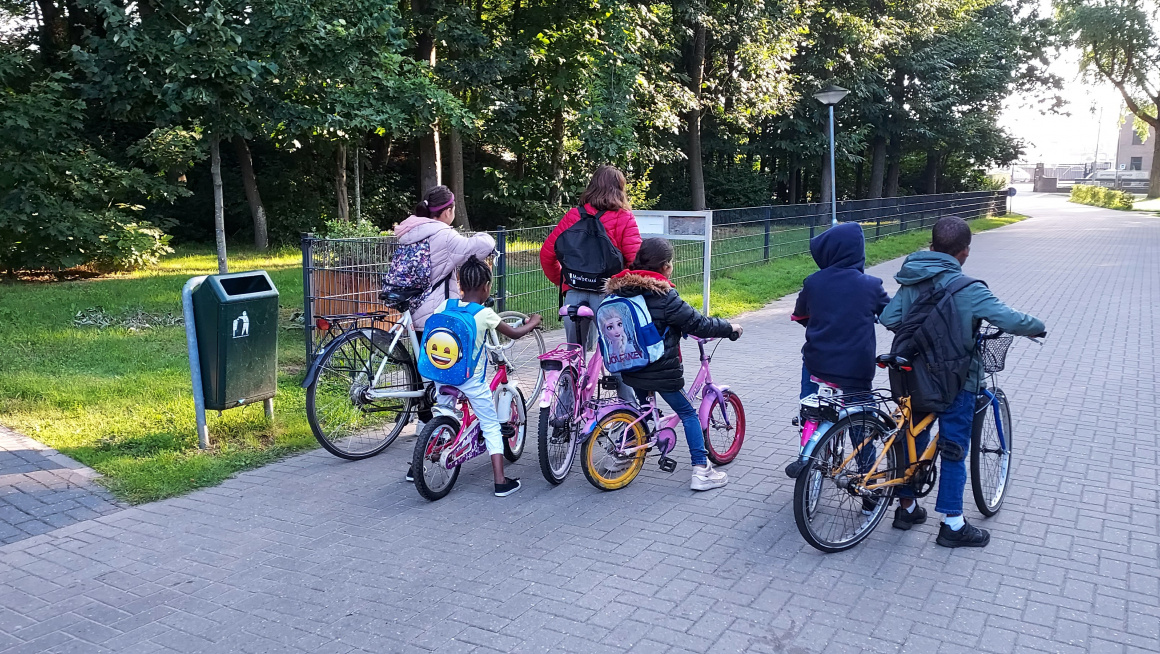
(584, 213)
(961, 282)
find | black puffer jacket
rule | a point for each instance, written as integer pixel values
(669, 312)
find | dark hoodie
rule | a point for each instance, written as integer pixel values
(673, 317)
(839, 305)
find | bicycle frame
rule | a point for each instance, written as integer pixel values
(468, 443)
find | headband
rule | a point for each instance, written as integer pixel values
(441, 207)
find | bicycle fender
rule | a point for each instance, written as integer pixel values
(707, 397)
(886, 418)
(503, 405)
(316, 367)
(604, 410)
(550, 378)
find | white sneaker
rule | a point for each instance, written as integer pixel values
(707, 478)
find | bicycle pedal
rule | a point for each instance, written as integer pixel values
(666, 464)
(507, 429)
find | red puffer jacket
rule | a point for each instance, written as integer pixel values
(621, 228)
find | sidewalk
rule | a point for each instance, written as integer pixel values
(315, 554)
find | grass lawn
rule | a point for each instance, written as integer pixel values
(117, 398)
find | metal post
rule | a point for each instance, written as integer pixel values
(307, 293)
(195, 360)
(813, 222)
(768, 211)
(708, 262)
(833, 174)
(501, 268)
(268, 403)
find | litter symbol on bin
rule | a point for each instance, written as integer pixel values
(242, 326)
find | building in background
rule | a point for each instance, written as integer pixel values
(1132, 153)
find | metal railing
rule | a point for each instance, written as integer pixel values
(341, 277)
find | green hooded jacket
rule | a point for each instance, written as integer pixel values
(975, 303)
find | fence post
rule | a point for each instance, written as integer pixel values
(813, 221)
(708, 262)
(768, 211)
(501, 268)
(307, 294)
(878, 223)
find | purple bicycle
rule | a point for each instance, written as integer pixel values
(617, 442)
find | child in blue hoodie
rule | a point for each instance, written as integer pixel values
(838, 306)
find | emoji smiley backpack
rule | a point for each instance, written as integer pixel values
(449, 353)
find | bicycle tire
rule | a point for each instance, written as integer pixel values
(437, 435)
(513, 446)
(846, 507)
(725, 456)
(346, 366)
(524, 360)
(991, 489)
(556, 461)
(602, 440)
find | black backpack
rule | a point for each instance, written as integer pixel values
(930, 337)
(587, 256)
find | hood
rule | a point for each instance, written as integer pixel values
(635, 282)
(842, 246)
(417, 228)
(921, 266)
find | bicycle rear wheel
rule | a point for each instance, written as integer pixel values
(832, 513)
(603, 465)
(990, 456)
(523, 359)
(344, 420)
(432, 479)
(558, 432)
(726, 430)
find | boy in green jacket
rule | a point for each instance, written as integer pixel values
(950, 246)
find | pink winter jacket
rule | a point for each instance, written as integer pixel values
(449, 250)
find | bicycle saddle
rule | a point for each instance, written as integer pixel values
(572, 311)
(892, 361)
(396, 297)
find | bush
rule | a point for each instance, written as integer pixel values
(1099, 196)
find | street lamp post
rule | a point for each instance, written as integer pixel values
(830, 96)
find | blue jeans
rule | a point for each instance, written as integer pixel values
(809, 387)
(693, 434)
(954, 426)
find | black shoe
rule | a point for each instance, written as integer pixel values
(410, 474)
(869, 504)
(508, 487)
(904, 519)
(968, 536)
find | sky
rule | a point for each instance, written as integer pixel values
(1072, 138)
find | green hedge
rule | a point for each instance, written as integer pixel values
(1098, 196)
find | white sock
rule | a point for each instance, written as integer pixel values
(910, 509)
(955, 522)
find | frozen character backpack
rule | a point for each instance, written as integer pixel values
(449, 353)
(629, 340)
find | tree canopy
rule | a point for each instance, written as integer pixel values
(512, 103)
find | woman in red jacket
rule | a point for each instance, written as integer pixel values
(606, 199)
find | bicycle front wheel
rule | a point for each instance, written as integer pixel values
(832, 509)
(516, 429)
(343, 417)
(523, 359)
(726, 430)
(991, 453)
(558, 429)
(605, 464)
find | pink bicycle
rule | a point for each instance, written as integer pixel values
(569, 399)
(617, 442)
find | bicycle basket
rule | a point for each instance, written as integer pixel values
(994, 349)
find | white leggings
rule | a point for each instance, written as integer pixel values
(479, 395)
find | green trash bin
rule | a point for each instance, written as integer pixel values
(236, 316)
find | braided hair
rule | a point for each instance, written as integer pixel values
(474, 274)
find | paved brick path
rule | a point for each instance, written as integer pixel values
(318, 555)
(42, 490)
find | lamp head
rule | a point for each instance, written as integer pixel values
(831, 95)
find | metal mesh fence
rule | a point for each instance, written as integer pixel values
(341, 277)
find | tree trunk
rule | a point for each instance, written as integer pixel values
(877, 167)
(894, 170)
(357, 184)
(430, 161)
(555, 192)
(219, 208)
(695, 66)
(858, 170)
(250, 184)
(792, 186)
(340, 194)
(930, 173)
(54, 29)
(826, 175)
(455, 177)
(1154, 173)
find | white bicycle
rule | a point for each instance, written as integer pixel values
(364, 387)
